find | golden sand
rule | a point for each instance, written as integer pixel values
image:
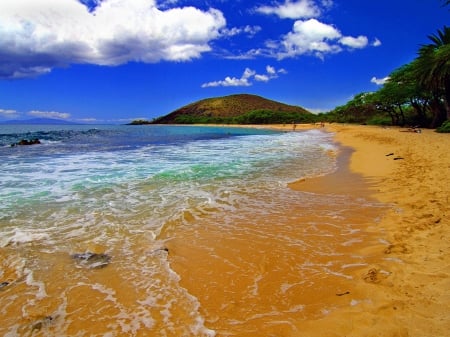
(410, 288)
(395, 284)
(404, 290)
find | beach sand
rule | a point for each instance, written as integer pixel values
(408, 292)
(371, 260)
(402, 289)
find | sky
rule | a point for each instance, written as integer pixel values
(113, 61)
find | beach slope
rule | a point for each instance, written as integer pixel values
(408, 290)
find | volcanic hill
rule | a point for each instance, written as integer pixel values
(228, 107)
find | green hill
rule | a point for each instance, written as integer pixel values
(236, 109)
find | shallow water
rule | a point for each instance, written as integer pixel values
(203, 235)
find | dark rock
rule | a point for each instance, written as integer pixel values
(342, 294)
(92, 260)
(159, 250)
(27, 142)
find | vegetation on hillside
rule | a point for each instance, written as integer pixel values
(252, 117)
(236, 109)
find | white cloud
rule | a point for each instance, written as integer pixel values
(314, 37)
(246, 79)
(327, 3)
(309, 36)
(88, 120)
(354, 42)
(262, 78)
(37, 35)
(292, 9)
(249, 30)
(49, 114)
(233, 81)
(376, 43)
(379, 81)
(8, 113)
(228, 82)
(271, 70)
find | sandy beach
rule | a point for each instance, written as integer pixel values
(408, 290)
(361, 251)
(403, 290)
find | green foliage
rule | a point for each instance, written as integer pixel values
(139, 122)
(358, 110)
(273, 117)
(189, 119)
(253, 117)
(379, 120)
(444, 128)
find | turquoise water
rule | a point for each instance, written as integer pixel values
(92, 168)
(113, 190)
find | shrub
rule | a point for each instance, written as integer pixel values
(444, 128)
(379, 120)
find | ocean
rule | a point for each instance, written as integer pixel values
(171, 231)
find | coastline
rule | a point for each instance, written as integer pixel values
(407, 290)
(362, 251)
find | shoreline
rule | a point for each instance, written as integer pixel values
(407, 290)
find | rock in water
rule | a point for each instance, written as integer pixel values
(27, 142)
(92, 260)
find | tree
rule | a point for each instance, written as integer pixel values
(404, 85)
(358, 110)
(390, 100)
(433, 72)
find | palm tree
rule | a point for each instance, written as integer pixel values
(433, 70)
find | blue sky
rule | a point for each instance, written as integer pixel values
(112, 61)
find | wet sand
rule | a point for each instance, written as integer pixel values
(273, 274)
(400, 288)
(409, 288)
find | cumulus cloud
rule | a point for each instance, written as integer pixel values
(38, 35)
(49, 114)
(292, 9)
(379, 81)
(308, 35)
(354, 42)
(317, 38)
(243, 81)
(247, 78)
